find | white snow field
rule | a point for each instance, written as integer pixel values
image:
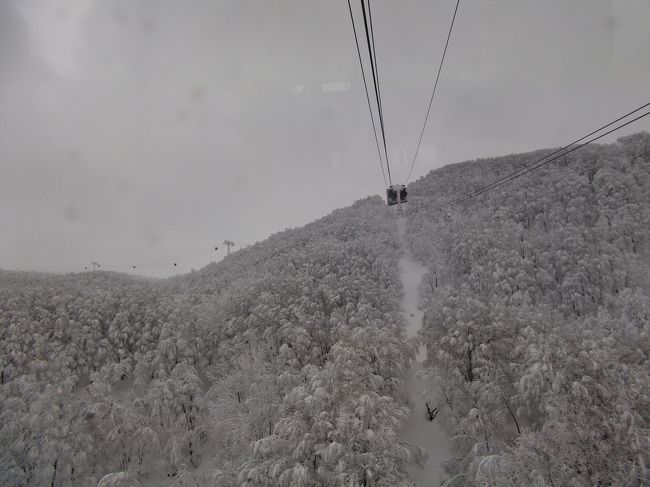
(418, 431)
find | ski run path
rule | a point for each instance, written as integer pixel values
(417, 430)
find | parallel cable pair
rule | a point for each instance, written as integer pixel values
(161, 262)
(372, 55)
(553, 156)
(527, 168)
(172, 261)
(433, 93)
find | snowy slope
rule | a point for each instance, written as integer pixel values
(418, 430)
(411, 274)
(281, 365)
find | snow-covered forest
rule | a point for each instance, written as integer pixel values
(537, 316)
(281, 365)
(284, 364)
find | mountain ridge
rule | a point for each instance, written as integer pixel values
(284, 363)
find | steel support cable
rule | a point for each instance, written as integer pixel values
(176, 259)
(433, 93)
(161, 262)
(179, 258)
(376, 66)
(365, 85)
(541, 164)
(524, 167)
(374, 79)
(374, 54)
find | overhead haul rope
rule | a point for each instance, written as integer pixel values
(375, 81)
(523, 168)
(169, 261)
(379, 102)
(433, 93)
(543, 161)
(365, 85)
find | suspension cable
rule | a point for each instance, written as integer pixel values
(543, 162)
(376, 65)
(365, 85)
(568, 145)
(375, 82)
(435, 86)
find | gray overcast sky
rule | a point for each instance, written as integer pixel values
(133, 132)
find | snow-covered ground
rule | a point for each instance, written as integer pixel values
(418, 430)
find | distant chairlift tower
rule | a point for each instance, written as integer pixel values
(228, 243)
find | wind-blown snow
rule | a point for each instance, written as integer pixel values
(418, 430)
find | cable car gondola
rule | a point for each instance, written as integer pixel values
(396, 194)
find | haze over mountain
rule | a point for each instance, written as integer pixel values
(137, 132)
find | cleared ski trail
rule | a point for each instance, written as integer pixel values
(418, 430)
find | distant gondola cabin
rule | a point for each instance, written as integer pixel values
(396, 193)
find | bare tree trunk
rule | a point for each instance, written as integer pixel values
(451, 408)
(511, 414)
(487, 445)
(470, 372)
(56, 462)
(431, 413)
